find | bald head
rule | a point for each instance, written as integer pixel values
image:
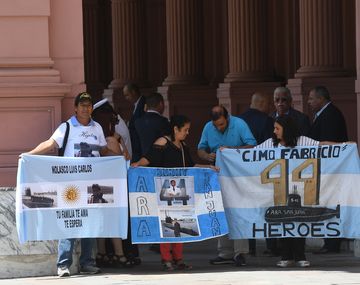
(261, 102)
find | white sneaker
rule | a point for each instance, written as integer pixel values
(63, 272)
(285, 263)
(302, 263)
(89, 269)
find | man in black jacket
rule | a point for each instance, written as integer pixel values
(152, 124)
(282, 102)
(328, 125)
(260, 123)
(132, 94)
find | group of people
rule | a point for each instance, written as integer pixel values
(150, 139)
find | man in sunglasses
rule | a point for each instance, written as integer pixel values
(283, 106)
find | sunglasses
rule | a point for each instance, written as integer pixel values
(281, 99)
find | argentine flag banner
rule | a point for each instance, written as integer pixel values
(71, 197)
(291, 192)
(175, 205)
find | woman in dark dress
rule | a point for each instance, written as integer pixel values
(171, 151)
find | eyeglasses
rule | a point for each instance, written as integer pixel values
(281, 99)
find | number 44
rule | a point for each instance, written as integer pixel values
(281, 184)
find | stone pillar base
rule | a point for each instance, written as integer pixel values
(28, 259)
(25, 107)
(236, 96)
(342, 92)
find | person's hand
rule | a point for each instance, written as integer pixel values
(134, 164)
(213, 167)
(211, 157)
(126, 155)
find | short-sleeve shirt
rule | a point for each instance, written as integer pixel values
(237, 133)
(301, 141)
(83, 141)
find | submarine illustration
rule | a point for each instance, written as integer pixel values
(294, 212)
(36, 201)
(168, 223)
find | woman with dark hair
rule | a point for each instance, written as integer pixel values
(171, 151)
(113, 254)
(287, 134)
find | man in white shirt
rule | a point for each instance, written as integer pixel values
(83, 130)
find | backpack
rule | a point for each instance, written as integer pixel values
(62, 149)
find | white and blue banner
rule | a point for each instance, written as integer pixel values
(175, 205)
(291, 192)
(68, 197)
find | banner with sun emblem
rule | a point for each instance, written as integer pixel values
(68, 197)
(175, 205)
(291, 192)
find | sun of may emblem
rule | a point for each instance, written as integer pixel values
(71, 194)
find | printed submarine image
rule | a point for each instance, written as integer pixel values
(36, 201)
(294, 212)
(169, 224)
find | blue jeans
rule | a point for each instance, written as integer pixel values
(65, 252)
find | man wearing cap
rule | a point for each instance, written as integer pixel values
(82, 130)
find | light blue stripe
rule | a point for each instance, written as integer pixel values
(89, 168)
(141, 179)
(147, 229)
(44, 225)
(233, 163)
(241, 223)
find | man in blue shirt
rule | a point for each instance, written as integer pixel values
(227, 131)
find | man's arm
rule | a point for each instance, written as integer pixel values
(44, 147)
(210, 157)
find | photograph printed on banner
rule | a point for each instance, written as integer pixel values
(100, 194)
(175, 191)
(39, 198)
(178, 223)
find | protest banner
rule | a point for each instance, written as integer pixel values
(67, 197)
(291, 192)
(175, 205)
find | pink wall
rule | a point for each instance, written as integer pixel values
(41, 63)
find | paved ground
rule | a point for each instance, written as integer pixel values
(332, 269)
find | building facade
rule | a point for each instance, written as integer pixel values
(195, 52)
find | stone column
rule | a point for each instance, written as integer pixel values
(129, 43)
(247, 41)
(98, 61)
(321, 53)
(183, 41)
(357, 81)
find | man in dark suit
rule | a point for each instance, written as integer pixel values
(152, 124)
(328, 125)
(132, 94)
(282, 102)
(257, 118)
(262, 127)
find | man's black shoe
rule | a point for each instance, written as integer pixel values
(240, 260)
(219, 260)
(325, 250)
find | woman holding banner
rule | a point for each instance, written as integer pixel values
(111, 254)
(171, 151)
(286, 134)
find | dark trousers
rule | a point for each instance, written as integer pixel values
(292, 249)
(332, 244)
(130, 250)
